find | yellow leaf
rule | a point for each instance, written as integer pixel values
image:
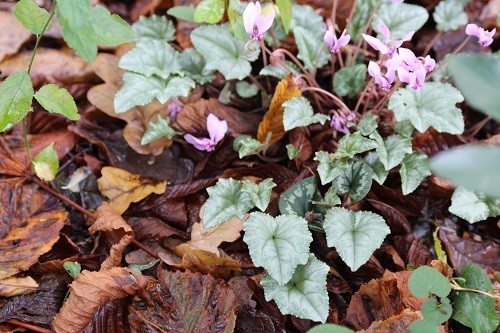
(14, 286)
(271, 127)
(123, 188)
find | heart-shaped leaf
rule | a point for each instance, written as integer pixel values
(426, 280)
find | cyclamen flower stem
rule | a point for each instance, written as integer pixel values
(352, 59)
(431, 43)
(317, 59)
(341, 61)
(443, 62)
(382, 102)
(337, 100)
(363, 94)
(333, 14)
(299, 64)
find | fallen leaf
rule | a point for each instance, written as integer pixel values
(15, 286)
(8, 166)
(90, 291)
(397, 323)
(432, 142)
(111, 317)
(151, 228)
(123, 188)
(397, 222)
(412, 250)
(110, 222)
(12, 34)
(271, 127)
(184, 302)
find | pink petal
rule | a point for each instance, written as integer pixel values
(343, 40)
(216, 128)
(263, 23)
(249, 16)
(384, 31)
(374, 69)
(329, 37)
(199, 143)
(376, 44)
(472, 30)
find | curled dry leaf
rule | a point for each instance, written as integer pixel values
(12, 34)
(118, 230)
(397, 323)
(271, 127)
(92, 290)
(15, 286)
(184, 302)
(123, 188)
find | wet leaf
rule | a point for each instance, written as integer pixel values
(15, 286)
(397, 323)
(123, 188)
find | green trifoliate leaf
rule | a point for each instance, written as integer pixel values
(277, 244)
(355, 235)
(353, 144)
(349, 81)
(194, 65)
(154, 27)
(306, 17)
(449, 16)
(329, 328)
(292, 151)
(436, 313)
(392, 150)
(141, 90)
(356, 180)
(285, 8)
(379, 173)
(467, 205)
(305, 296)
(458, 164)
(246, 90)
(57, 100)
(432, 105)
(245, 145)
(31, 16)
(73, 268)
(279, 71)
(311, 50)
(109, 30)
(472, 309)
(260, 193)
(299, 112)
(16, 95)
(222, 51)
(226, 200)
(367, 124)
(209, 11)
(400, 18)
(297, 199)
(414, 168)
(426, 280)
(329, 168)
(152, 57)
(46, 164)
(185, 13)
(157, 130)
(363, 10)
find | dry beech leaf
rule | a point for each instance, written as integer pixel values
(110, 222)
(184, 302)
(272, 124)
(123, 188)
(15, 286)
(92, 290)
(12, 34)
(397, 323)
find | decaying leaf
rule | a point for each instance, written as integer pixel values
(397, 323)
(15, 286)
(184, 302)
(90, 291)
(123, 188)
(271, 127)
(12, 34)
(110, 222)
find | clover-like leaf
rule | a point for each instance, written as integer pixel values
(422, 325)
(353, 144)
(426, 280)
(260, 193)
(16, 95)
(432, 105)
(305, 296)
(46, 163)
(356, 180)
(299, 113)
(157, 130)
(400, 18)
(355, 235)
(57, 100)
(467, 205)
(226, 200)
(209, 11)
(154, 27)
(448, 16)
(31, 16)
(392, 150)
(349, 81)
(414, 168)
(297, 199)
(329, 168)
(277, 244)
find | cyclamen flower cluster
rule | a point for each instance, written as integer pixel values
(485, 36)
(402, 61)
(334, 43)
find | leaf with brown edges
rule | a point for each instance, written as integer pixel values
(15, 286)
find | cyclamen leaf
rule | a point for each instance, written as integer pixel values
(260, 193)
(310, 48)
(152, 57)
(185, 13)
(467, 205)
(140, 90)
(379, 173)
(245, 145)
(426, 280)
(329, 168)
(349, 81)
(298, 112)
(57, 100)
(226, 200)
(246, 90)
(471, 309)
(292, 151)
(392, 150)
(356, 180)
(31, 16)
(209, 11)
(222, 51)
(157, 130)
(109, 30)
(353, 144)
(449, 16)
(46, 164)
(16, 95)
(279, 71)
(400, 18)
(305, 296)
(414, 168)
(404, 128)
(355, 235)
(432, 105)
(297, 199)
(154, 27)
(277, 244)
(194, 65)
(285, 8)
(304, 16)
(367, 124)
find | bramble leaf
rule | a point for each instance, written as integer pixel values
(16, 95)
(298, 112)
(356, 180)
(426, 280)
(349, 81)
(297, 199)
(414, 168)
(285, 8)
(31, 16)
(448, 16)
(157, 130)
(154, 28)
(109, 30)
(46, 163)
(467, 205)
(57, 100)
(260, 193)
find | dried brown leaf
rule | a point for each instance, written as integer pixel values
(110, 318)
(12, 34)
(151, 228)
(397, 323)
(92, 290)
(123, 188)
(184, 302)
(15, 286)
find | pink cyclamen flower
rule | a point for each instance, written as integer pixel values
(412, 69)
(388, 46)
(485, 36)
(333, 43)
(255, 23)
(216, 131)
(339, 122)
(383, 80)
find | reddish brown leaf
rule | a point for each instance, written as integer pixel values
(397, 323)
(92, 290)
(397, 222)
(151, 228)
(412, 250)
(431, 142)
(15, 286)
(184, 302)
(111, 317)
